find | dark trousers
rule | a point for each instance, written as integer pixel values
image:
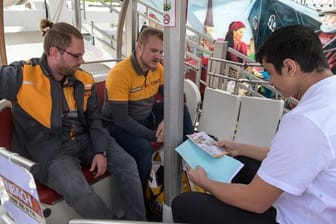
(65, 176)
(196, 207)
(140, 148)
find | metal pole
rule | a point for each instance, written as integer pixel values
(174, 45)
(131, 27)
(76, 14)
(19, 160)
(3, 56)
(84, 9)
(127, 18)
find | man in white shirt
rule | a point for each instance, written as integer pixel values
(296, 179)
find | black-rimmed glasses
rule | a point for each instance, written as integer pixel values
(72, 54)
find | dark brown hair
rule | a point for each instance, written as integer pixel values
(58, 34)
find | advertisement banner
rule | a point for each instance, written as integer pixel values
(18, 193)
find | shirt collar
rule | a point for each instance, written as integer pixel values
(136, 65)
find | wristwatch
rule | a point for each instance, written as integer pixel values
(104, 153)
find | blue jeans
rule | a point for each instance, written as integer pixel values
(140, 148)
(65, 177)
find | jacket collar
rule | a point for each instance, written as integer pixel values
(70, 79)
(44, 65)
(136, 65)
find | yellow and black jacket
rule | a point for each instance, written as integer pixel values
(130, 96)
(37, 100)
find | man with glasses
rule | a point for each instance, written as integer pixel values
(58, 125)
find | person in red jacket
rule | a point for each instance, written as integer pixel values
(328, 37)
(234, 37)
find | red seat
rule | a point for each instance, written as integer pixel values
(100, 88)
(156, 146)
(49, 196)
(191, 74)
(6, 127)
(46, 194)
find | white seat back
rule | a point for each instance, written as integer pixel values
(258, 120)
(219, 113)
(193, 99)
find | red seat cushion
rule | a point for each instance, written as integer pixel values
(50, 197)
(47, 195)
(156, 146)
(6, 127)
(100, 88)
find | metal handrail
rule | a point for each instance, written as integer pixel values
(19, 160)
(255, 81)
(199, 47)
(193, 67)
(122, 16)
(147, 6)
(227, 61)
(102, 61)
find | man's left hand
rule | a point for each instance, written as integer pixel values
(197, 176)
(159, 132)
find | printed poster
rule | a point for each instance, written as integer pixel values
(18, 193)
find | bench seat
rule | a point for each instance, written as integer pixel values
(6, 127)
(46, 194)
(50, 197)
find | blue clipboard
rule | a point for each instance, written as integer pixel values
(221, 169)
